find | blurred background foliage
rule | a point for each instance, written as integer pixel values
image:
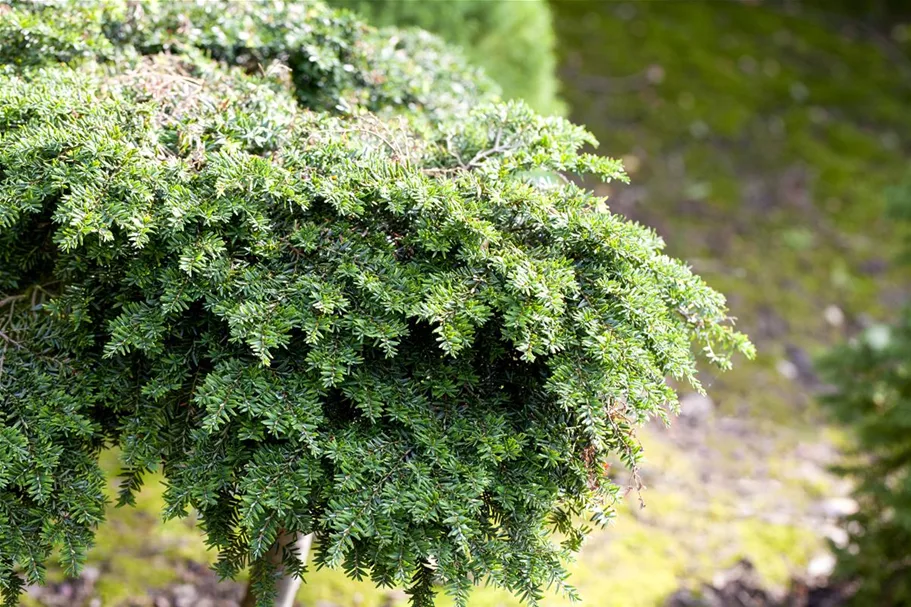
(513, 40)
(762, 139)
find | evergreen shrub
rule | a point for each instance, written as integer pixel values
(326, 283)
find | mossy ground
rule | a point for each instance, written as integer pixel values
(760, 144)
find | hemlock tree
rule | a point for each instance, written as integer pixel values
(327, 284)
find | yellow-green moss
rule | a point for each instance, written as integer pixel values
(777, 551)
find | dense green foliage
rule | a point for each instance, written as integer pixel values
(325, 283)
(513, 41)
(871, 380)
(872, 377)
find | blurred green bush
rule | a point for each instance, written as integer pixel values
(513, 41)
(872, 377)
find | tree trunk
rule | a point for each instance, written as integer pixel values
(287, 585)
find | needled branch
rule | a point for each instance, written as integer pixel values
(288, 584)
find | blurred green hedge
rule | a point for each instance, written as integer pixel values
(513, 41)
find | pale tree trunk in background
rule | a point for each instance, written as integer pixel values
(287, 585)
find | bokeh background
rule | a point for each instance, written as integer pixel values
(761, 138)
